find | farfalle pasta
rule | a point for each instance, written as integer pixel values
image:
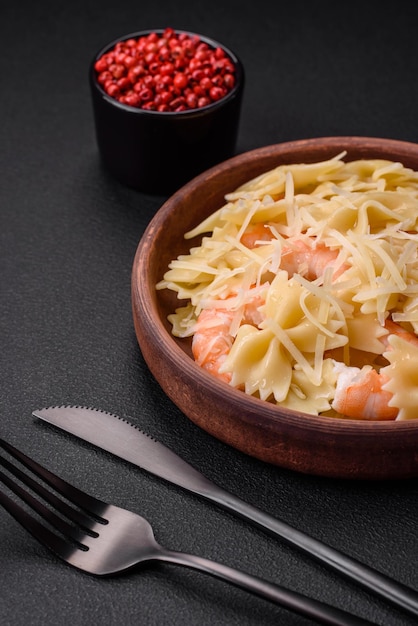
(402, 373)
(304, 289)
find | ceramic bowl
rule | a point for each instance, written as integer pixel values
(317, 445)
(158, 152)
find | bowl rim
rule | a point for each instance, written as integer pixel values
(174, 351)
(232, 94)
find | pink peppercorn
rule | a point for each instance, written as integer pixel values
(166, 72)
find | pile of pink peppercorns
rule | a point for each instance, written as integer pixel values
(166, 72)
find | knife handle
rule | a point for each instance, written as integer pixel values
(380, 584)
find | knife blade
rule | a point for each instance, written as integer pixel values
(125, 440)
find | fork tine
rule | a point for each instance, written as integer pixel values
(76, 516)
(81, 524)
(91, 505)
(54, 542)
(60, 524)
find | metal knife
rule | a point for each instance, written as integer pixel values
(125, 440)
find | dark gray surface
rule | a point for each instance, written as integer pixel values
(68, 237)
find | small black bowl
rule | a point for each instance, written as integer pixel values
(158, 152)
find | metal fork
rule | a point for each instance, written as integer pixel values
(104, 539)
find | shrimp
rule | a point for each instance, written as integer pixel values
(396, 329)
(212, 339)
(254, 234)
(310, 261)
(360, 393)
(298, 257)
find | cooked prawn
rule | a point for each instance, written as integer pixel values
(309, 260)
(212, 339)
(255, 233)
(299, 257)
(396, 329)
(360, 393)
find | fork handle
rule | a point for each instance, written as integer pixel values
(380, 584)
(296, 602)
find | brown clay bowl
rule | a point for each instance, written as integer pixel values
(316, 445)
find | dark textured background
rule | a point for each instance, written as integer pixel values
(68, 236)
